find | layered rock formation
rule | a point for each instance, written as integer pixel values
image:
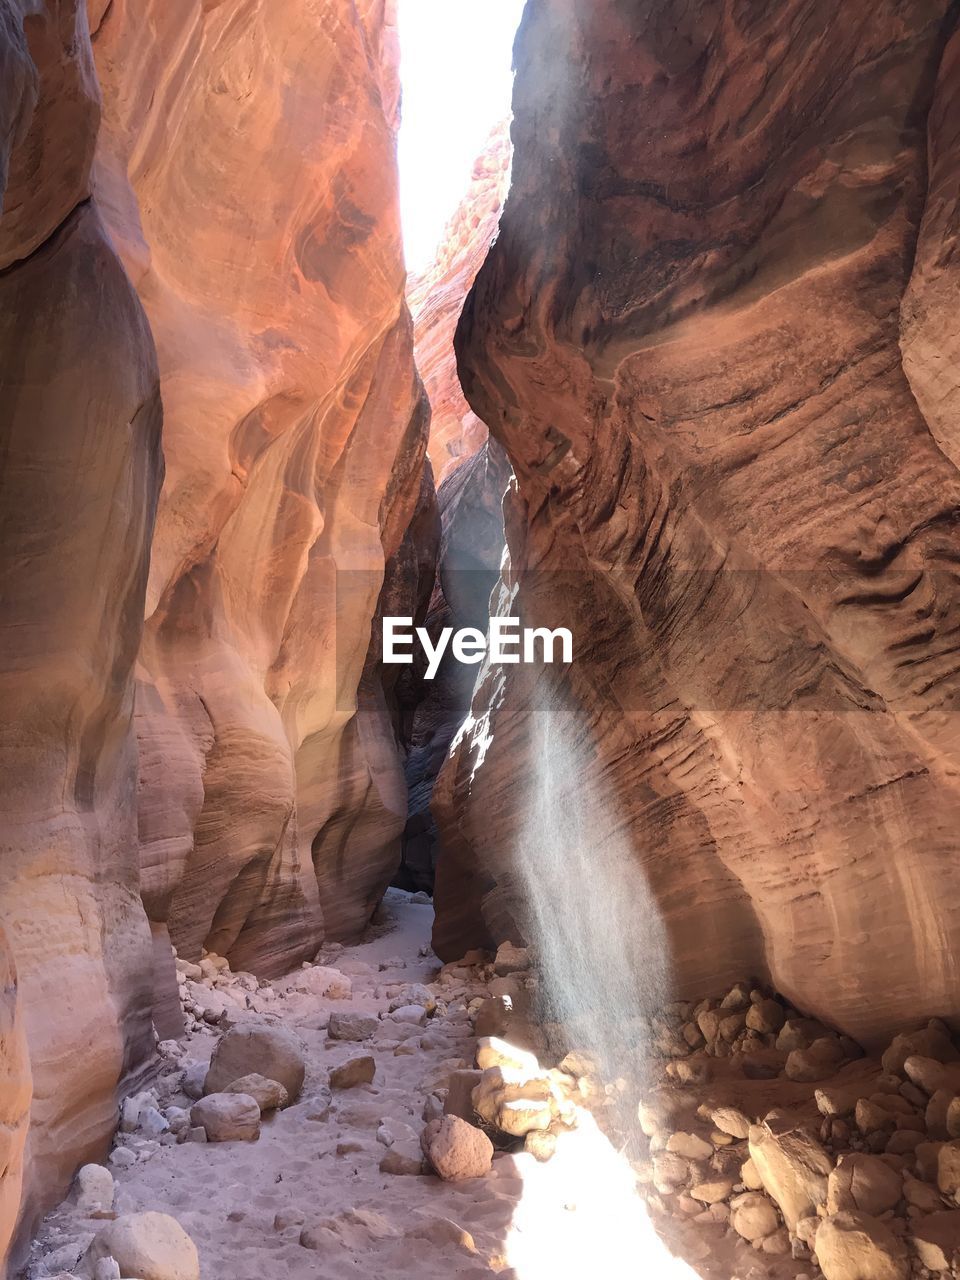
(472, 477)
(688, 338)
(436, 299)
(248, 165)
(80, 438)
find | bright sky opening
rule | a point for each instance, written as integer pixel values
(455, 58)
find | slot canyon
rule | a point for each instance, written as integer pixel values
(641, 961)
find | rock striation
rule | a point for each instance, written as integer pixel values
(271, 796)
(737, 488)
(80, 440)
(437, 296)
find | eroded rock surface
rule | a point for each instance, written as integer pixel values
(437, 296)
(248, 167)
(80, 442)
(687, 336)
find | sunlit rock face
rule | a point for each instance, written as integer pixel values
(436, 299)
(248, 168)
(80, 441)
(736, 490)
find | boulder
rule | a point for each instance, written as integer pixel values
(457, 1150)
(354, 1071)
(510, 959)
(494, 1052)
(791, 1164)
(753, 1216)
(459, 1099)
(352, 1026)
(227, 1117)
(93, 1188)
(863, 1182)
(936, 1240)
(271, 1052)
(933, 1041)
(269, 1095)
(855, 1246)
(148, 1246)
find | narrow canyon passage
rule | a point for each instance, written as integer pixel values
(479, 527)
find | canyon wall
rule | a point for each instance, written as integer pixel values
(80, 441)
(248, 169)
(437, 296)
(231, 241)
(738, 492)
(472, 474)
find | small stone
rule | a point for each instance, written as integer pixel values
(712, 1191)
(193, 1078)
(820, 1060)
(352, 1026)
(412, 1014)
(93, 1188)
(150, 1246)
(122, 1158)
(541, 1143)
(752, 1216)
(731, 1121)
(107, 1269)
(510, 959)
(690, 1146)
(227, 1117)
(442, 1231)
(457, 1150)
(353, 1072)
(765, 1016)
(404, 1159)
(269, 1095)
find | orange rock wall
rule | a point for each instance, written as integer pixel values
(248, 168)
(80, 442)
(436, 299)
(738, 490)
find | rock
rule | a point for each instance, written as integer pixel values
(731, 1121)
(510, 959)
(766, 1016)
(459, 1099)
(855, 1246)
(792, 1166)
(193, 1079)
(948, 1169)
(352, 1026)
(750, 1177)
(522, 1116)
(390, 1132)
(494, 1052)
(93, 1188)
(456, 1149)
(712, 1191)
(271, 1052)
(414, 993)
(414, 1014)
(930, 1075)
(107, 1269)
(753, 1216)
(404, 1159)
(669, 1171)
(320, 981)
(149, 1246)
(863, 1182)
(359, 1070)
(269, 1095)
(541, 1143)
(690, 1146)
(933, 1041)
(122, 1158)
(441, 1231)
(921, 1195)
(227, 1117)
(819, 1061)
(936, 1240)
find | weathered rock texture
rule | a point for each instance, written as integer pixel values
(688, 338)
(470, 549)
(248, 166)
(80, 443)
(437, 296)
